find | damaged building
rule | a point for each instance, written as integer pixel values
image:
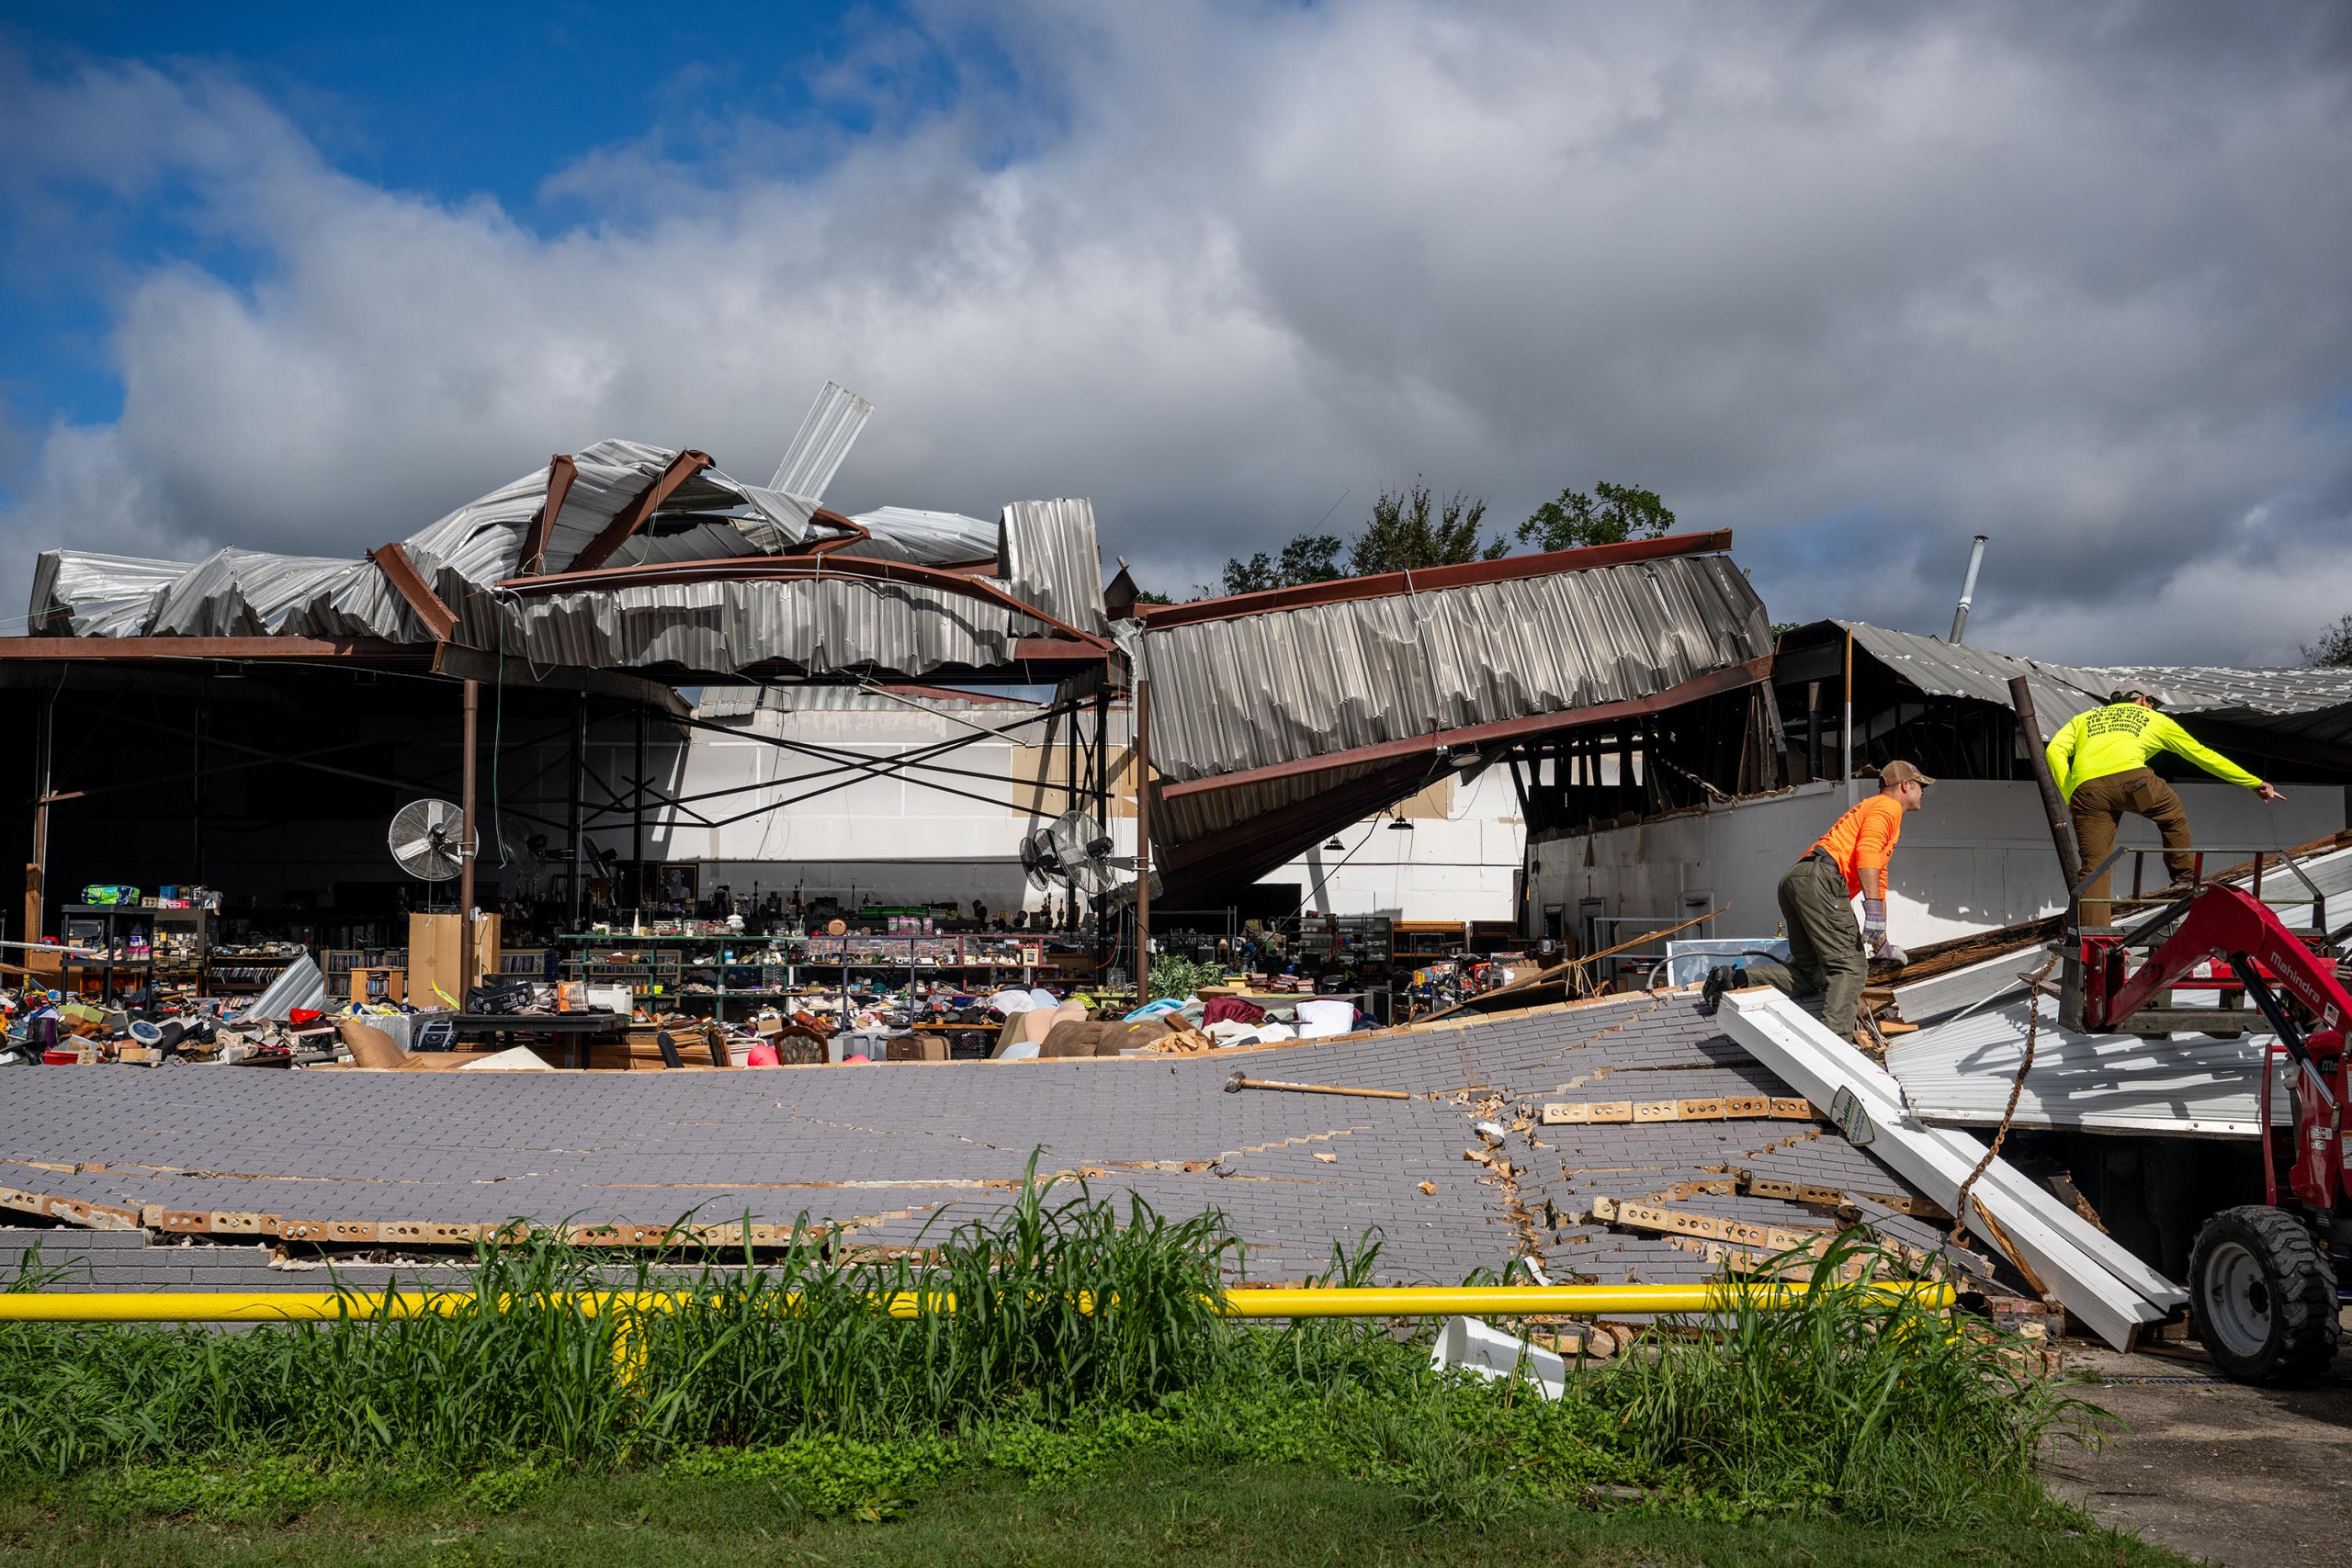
(740, 773)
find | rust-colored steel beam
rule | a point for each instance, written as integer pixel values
(394, 561)
(1238, 856)
(1510, 569)
(119, 649)
(854, 533)
(1708, 685)
(682, 467)
(781, 569)
(562, 471)
(1287, 830)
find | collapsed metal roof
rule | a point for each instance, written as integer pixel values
(1278, 714)
(2313, 703)
(628, 556)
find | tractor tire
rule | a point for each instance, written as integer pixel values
(2262, 1296)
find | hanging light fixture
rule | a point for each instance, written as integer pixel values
(1401, 825)
(1335, 844)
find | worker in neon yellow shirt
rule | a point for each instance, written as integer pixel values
(2099, 760)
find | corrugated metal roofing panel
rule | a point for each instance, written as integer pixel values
(254, 594)
(830, 428)
(2253, 692)
(1288, 685)
(821, 624)
(83, 593)
(925, 538)
(2314, 704)
(1048, 557)
(1939, 669)
(858, 699)
(1959, 1074)
(728, 701)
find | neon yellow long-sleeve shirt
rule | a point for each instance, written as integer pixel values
(2123, 736)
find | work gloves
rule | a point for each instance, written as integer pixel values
(1874, 933)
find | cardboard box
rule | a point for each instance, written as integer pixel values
(436, 972)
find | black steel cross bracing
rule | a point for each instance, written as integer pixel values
(877, 767)
(844, 762)
(154, 781)
(975, 734)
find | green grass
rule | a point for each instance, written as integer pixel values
(1083, 1347)
(1138, 1512)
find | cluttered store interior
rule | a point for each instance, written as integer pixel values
(291, 863)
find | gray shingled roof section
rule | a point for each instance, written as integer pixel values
(892, 1148)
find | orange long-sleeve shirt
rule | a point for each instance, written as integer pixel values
(1863, 842)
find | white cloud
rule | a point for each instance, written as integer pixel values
(1855, 285)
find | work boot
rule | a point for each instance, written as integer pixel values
(1711, 996)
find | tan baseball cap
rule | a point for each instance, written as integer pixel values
(1893, 774)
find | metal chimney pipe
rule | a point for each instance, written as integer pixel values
(1967, 591)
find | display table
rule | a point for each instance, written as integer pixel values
(580, 1029)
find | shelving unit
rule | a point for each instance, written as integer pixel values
(1358, 941)
(337, 963)
(654, 967)
(240, 973)
(107, 928)
(1416, 943)
(188, 934)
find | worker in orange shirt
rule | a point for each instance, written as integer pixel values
(1826, 952)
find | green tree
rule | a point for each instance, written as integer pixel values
(1310, 558)
(1577, 520)
(1410, 531)
(2334, 648)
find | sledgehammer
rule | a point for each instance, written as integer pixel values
(1240, 1081)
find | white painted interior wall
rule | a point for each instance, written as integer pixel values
(1976, 856)
(894, 840)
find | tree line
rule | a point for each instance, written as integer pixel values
(1412, 529)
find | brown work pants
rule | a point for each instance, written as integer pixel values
(1824, 945)
(2101, 805)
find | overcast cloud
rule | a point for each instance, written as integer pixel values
(1856, 282)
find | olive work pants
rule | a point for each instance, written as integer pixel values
(2099, 807)
(1824, 945)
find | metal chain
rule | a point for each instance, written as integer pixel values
(2016, 1086)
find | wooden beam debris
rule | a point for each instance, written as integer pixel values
(1731, 1108)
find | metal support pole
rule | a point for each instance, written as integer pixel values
(1812, 730)
(195, 796)
(1845, 754)
(637, 821)
(1103, 812)
(1143, 841)
(37, 871)
(578, 779)
(2054, 804)
(1967, 591)
(1069, 791)
(467, 841)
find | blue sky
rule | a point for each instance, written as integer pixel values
(448, 101)
(1856, 282)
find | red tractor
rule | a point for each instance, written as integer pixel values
(2262, 1285)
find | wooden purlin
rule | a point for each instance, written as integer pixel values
(163, 1220)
